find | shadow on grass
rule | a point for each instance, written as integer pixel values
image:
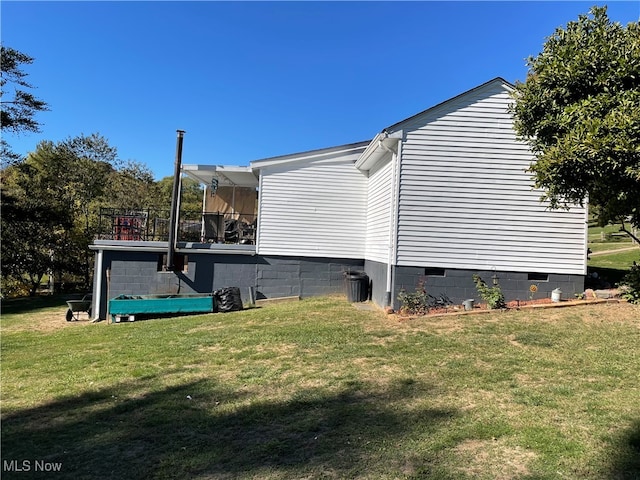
(29, 304)
(200, 429)
(606, 277)
(627, 460)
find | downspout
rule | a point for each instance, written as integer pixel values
(233, 201)
(394, 156)
(585, 247)
(98, 299)
(175, 205)
(393, 220)
(259, 211)
(204, 210)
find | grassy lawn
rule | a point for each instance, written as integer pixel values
(608, 233)
(611, 246)
(612, 267)
(318, 389)
(621, 260)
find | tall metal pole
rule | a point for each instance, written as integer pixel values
(175, 204)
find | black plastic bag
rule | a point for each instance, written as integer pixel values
(228, 299)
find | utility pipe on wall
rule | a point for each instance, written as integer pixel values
(395, 219)
(204, 209)
(98, 298)
(175, 204)
(388, 300)
(395, 150)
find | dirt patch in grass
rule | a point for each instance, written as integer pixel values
(591, 313)
(444, 325)
(210, 327)
(493, 459)
(613, 313)
(47, 320)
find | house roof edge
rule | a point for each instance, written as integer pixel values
(398, 125)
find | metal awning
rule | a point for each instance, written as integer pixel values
(233, 176)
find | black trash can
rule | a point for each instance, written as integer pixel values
(357, 284)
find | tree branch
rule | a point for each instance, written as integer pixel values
(623, 228)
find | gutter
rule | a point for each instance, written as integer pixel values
(382, 143)
(307, 156)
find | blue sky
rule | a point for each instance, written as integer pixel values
(251, 80)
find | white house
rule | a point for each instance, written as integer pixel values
(434, 198)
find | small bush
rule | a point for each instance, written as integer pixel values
(631, 284)
(11, 288)
(492, 295)
(420, 302)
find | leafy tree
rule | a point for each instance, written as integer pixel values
(51, 202)
(34, 228)
(579, 110)
(20, 106)
(90, 161)
(190, 194)
(51, 197)
(132, 187)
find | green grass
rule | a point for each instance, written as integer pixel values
(612, 267)
(318, 389)
(29, 304)
(610, 233)
(610, 246)
(620, 260)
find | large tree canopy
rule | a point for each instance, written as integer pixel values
(51, 203)
(47, 202)
(579, 110)
(19, 106)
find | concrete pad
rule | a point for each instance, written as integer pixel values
(266, 301)
(367, 306)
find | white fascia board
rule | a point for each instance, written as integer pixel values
(200, 173)
(238, 176)
(182, 247)
(379, 146)
(227, 174)
(368, 152)
(498, 80)
(308, 156)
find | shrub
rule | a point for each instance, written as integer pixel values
(492, 295)
(11, 287)
(631, 284)
(420, 302)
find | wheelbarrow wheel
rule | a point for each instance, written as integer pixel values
(69, 315)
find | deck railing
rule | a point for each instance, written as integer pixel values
(153, 225)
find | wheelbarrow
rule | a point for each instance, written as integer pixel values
(77, 306)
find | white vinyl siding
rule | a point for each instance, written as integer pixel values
(378, 212)
(313, 209)
(466, 200)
